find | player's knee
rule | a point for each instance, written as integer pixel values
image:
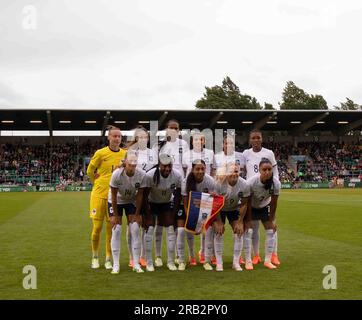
(96, 230)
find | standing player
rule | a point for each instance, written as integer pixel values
(174, 146)
(228, 155)
(197, 180)
(265, 188)
(197, 152)
(250, 161)
(147, 159)
(163, 184)
(236, 192)
(126, 193)
(99, 170)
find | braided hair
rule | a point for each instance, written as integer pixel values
(164, 159)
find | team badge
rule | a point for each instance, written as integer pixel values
(204, 216)
(94, 212)
(137, 185)
(179, 213)
(173, 186)
(240, 194)
(206, 190)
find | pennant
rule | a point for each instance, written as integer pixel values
(202, 210)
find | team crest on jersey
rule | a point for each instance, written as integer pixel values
(204, 216)
(173, 186)
(150, 158)
(137, 185)
(240, 194)
(206, 190)
(94, 212)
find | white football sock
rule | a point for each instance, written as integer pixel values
(136, 242)
(219, 247)
(238, 247)
(116, 244)
(248, 243)
(276, 243)
(190, 241)
(181, 244)
(143, 243)
(269, 244)
(171, 244)
(158, 240)
(209, 244)
(202, 244)
(256, 237)
(129, 242)
(148, 245)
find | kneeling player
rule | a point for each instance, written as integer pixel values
(128, 183)
(265, 188)
(163, 183)
(236, 192)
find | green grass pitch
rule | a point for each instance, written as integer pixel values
(52, 232)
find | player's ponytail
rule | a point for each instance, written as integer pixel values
(270, 182)
(156, 175)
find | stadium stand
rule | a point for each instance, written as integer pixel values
(66, 163)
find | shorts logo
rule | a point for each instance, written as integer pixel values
(137, 185)
(111, 210)
(206, 190)
(179, 213)
(94, 212)
(204, 216)
(240, 194)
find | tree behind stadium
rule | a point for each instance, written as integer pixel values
(226, 96)
(295, 98)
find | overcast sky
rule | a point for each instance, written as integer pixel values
(161, 54)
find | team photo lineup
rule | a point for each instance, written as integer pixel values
(164, 154)
(152, 186)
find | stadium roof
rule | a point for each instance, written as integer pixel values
(73, 119)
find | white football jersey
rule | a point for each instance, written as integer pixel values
(233, 194)
(127, 186)
(251, 160)
(147, 159)
(190, 156)
(260, 197)
(207, 185)
(221, 159)
(163, 192)
(176, 150)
